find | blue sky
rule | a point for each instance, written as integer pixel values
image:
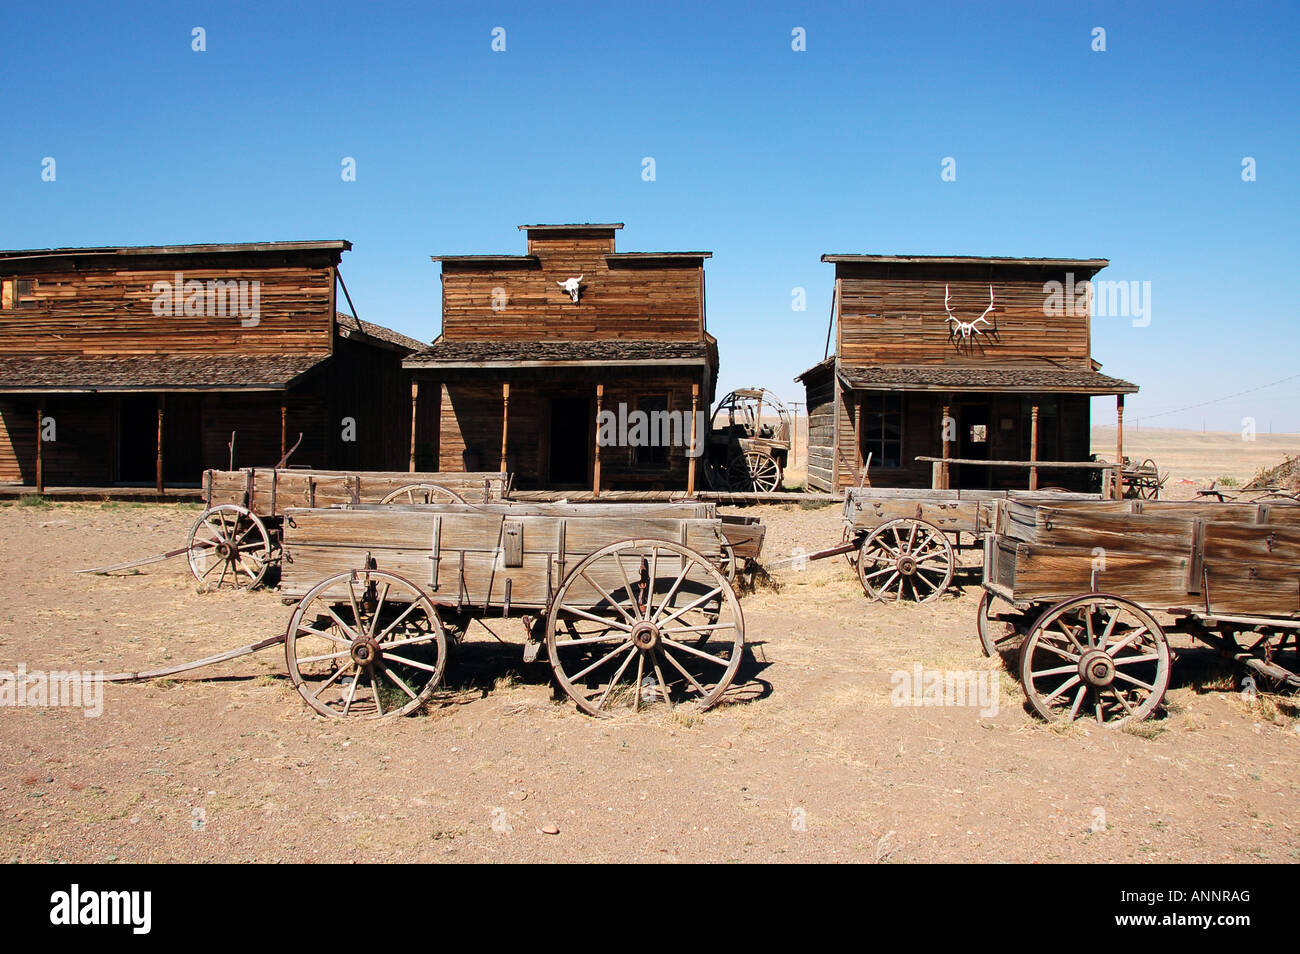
(765, 156)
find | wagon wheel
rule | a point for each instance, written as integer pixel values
(1148, 485)
(728, 563)
(1097, 657)
(422, 494)
(644, 622)
(995, 635)
(754, 470)
(229, 545)
(365, 644)
(905, 558)
(850, 555)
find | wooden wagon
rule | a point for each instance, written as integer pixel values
(745, 453)
(904, 543)
(1084, 584)
(237, 537)
(601, 587)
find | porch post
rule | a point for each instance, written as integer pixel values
(947, 450)
(162, 403)
(505, 421)
(595, 466)
(415, 393)
(1033, 447)
(284, 420)
(691, 458)
(857, 438)
(40, 448)
(1119, 446)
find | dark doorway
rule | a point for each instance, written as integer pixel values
(137, 439)
(973, 443)
(183, 439)
(570, 441)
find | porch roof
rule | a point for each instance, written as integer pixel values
(542, 354)
(153, 372)
(1020, 380)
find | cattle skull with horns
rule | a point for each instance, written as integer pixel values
(572, 285)
(965, 329)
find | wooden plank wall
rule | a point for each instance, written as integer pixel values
(820, 392)
(898, 317)
(110, 311)
(647, 301)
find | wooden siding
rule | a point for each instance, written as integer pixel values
(901, 320)
(110, 312)
(821, 430)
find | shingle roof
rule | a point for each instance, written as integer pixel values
(974, 378)
(349, 326)
(445, 353)
(153, 372)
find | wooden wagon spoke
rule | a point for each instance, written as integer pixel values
(400, 618)
(694, 651)
(618, 676)
(716, 591)
(312, 659)
(1064, 630)
(1058, 671)
(628, 588)
(1122, 701)
(601, 661)
(1052, 648)
(672, 591)
(597, 619)
(590, 640)
(413, 663)
(1127, 640)
(706, 628)
(352, 633)
(374, 689)
(680, 668)
(663, 686)
(1078, 701)
(338, 673)
(1129, 660)
(1067, 684)
(640, 675)
(1136, 682)
(352, 692)
(608, 597)
(400, 683)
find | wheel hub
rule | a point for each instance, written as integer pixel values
(1096, 668)
(645, 635)
(907, 564)
(366, 651)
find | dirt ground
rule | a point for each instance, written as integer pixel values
(808, 760)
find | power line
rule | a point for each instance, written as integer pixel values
(1217, 400)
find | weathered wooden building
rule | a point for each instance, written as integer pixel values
(535, 347)
(982, 344)
(122, 366)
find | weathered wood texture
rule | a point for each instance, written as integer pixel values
(821, 395)
(965, 511)
(456, 554)
(621, 298)
(897, 316)
(268, 491)
(1216, 558)
(110, 311)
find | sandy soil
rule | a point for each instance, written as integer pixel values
(808, 761)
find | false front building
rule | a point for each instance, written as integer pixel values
(145, 366)
(537, 348)
(969, 359)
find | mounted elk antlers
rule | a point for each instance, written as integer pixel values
(966, 329)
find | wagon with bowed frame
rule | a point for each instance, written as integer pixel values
(1089, 594)
(904, 543)
(628, 601)
(237, 537)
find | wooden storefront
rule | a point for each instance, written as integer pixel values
(522, 372)
(138, 366)
(958, 358)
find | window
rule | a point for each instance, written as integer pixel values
(17, 293)
(652, 452)
(882, 429)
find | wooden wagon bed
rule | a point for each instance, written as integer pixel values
(382, 589)
(1085, 582)
(268, 491)
(953, 511)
